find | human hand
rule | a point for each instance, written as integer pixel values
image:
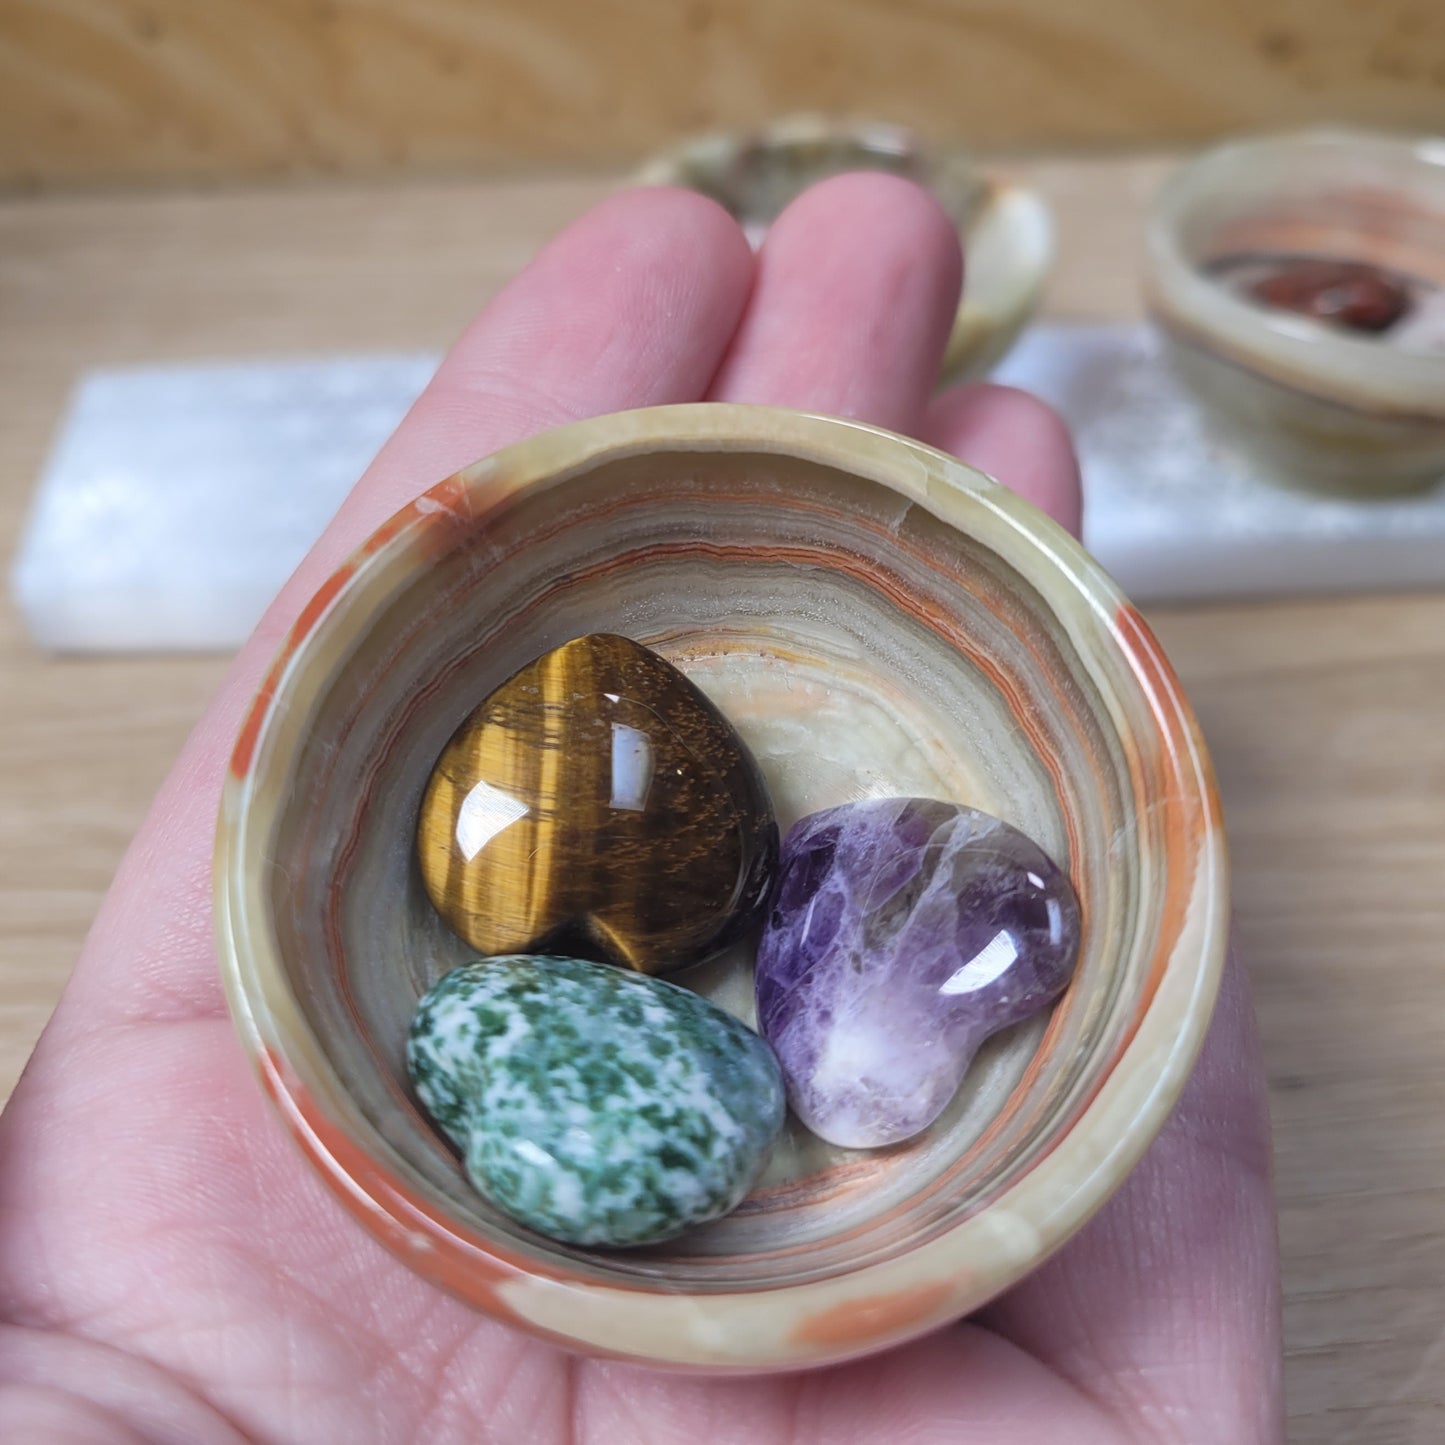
(170, 1268)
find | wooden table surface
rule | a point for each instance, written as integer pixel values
(1325, 716)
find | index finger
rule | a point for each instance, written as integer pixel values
(633, 305)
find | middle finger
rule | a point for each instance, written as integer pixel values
(857, 285)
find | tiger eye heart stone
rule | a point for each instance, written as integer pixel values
(597, 804)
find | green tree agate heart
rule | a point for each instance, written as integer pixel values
(594, 1105)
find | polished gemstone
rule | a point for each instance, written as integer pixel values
(905, 931)
(594, 1105)
(1350, 295)
(598, 805)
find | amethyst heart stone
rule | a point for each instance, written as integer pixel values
(905, 932)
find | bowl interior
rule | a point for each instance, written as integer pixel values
(1346, 197)
(1330, 195)
(755, 176)
(875, 620)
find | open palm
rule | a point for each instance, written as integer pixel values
(170, 1270)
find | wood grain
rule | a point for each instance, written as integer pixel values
(1324, 717)
(106, 91)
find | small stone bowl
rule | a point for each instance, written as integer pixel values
(1313, 405)
(1006, 230)
(876, 619)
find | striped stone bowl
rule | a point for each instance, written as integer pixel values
(1005, 228)
(876, 619)
(1314, 407)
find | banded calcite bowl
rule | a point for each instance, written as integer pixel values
(1319, 220)
(876, 619)
(1005, 228)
